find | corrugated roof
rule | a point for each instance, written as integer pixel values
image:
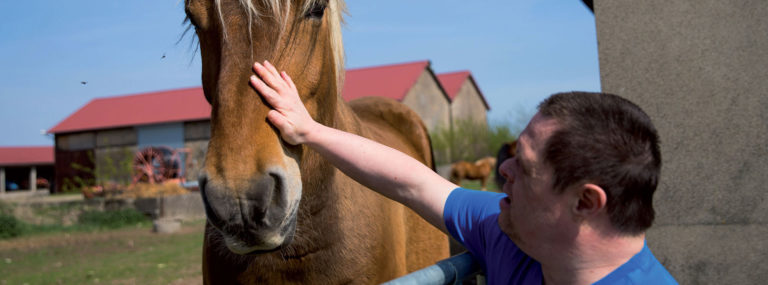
(391, 81)
(26, 155)
(149, 108)
(452, 82)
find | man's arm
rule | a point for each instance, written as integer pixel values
(381, 168)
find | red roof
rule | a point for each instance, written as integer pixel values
(452, 84)
(26, 155)
(149, 108)
(391, 81)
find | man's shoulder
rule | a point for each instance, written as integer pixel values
(466, 209)
(643, 268)
(488, 201)
(471, 218)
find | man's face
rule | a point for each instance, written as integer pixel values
(532, 215)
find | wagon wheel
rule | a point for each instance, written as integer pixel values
(173, 166)
(149, 166)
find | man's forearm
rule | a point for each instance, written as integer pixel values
(379, 167)
(385, 170)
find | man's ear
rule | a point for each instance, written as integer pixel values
(591, 200)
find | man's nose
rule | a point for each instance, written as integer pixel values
(507, 169)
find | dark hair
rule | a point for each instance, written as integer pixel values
(609, 141)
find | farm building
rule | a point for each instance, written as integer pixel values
(101, 139)
(25, 169)
(467, 102)
(413, 84)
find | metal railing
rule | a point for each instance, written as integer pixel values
(447, 271)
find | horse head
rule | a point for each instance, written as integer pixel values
(251, 183)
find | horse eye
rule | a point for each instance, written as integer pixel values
(317, 11)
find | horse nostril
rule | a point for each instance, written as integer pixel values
(277, 188)
(261, 190)
(214, 202)
(255, 205)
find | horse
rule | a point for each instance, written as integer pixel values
(478, 170)
(506, 151)
(278, 213)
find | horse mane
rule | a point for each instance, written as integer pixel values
(278, 10)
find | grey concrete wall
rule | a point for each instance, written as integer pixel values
(700, 69)
(427, 99)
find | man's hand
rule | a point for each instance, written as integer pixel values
(289, 114)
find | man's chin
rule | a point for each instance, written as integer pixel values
(507, 228)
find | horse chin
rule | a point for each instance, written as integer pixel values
(266, 242)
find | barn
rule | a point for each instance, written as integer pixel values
(413, 84)
(99, 141)
(101, 138)
(467, 101)
(25, 169)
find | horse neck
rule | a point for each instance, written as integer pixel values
(334, 113)
(345, 119)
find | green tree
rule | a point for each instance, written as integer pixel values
(469, 140)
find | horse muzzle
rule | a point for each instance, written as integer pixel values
(256, 215)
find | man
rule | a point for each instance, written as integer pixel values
(575, 207)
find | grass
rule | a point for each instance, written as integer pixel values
(131, 255)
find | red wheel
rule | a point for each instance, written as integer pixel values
(149, 166)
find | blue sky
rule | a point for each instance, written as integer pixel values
(518, 51)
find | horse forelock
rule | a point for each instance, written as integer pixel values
(278, 9)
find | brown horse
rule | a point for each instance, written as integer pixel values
(279, 213)
(478, 170)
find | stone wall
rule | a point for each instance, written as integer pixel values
(428, 100)
(66, 212)
(700, 69)
(468, 105)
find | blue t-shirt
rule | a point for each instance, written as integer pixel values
(471, 218)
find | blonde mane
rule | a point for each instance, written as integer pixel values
(279, 9)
